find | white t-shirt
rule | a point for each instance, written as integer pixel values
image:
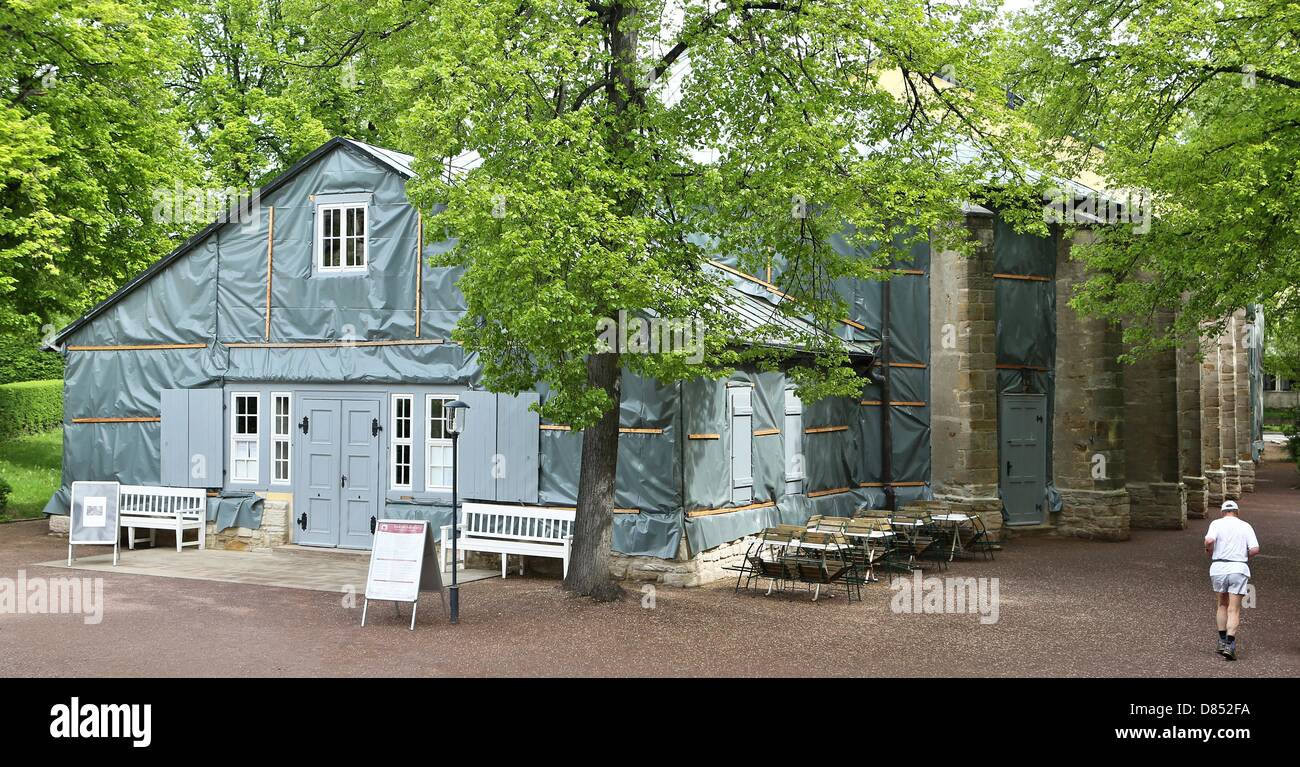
(1232, 540)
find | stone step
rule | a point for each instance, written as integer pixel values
(1028, 531)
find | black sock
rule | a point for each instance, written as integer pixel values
(1231, 638)
(1223, 634)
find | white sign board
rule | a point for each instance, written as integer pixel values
(395, 561)
(402, 564)
(93, 513)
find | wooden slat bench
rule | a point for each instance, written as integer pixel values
(163, 508)
(501, 529)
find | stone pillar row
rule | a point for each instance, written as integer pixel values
(1146, 445)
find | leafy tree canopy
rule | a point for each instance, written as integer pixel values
(1198, 104)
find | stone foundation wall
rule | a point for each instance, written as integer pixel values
(705, 567)
(273, 532)
(1157, 505)
(1094, 514)
(1198, 496)
(1232, 481)
(1247, 472)
(59, 525)
(1215, 481)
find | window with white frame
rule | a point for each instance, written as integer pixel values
(281, 420)
(341, 237)
(437, 443)
(400, 448)
(243, 437)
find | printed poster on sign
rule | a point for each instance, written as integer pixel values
(396, 561)
(95, 512)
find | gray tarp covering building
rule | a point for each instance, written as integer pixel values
(316, 321)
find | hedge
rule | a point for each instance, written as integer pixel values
(21, 359)
(30, 407)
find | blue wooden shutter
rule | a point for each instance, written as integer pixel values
(175, 470)
(193, 448)
(478, 448)
(794, 471)
(518, 442)
(742, 439)
(207, 452)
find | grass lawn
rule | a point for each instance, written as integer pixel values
(1276, 418)
(31, 464)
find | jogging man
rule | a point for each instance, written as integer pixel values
(1230, 544)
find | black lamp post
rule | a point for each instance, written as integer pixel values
(455, 425)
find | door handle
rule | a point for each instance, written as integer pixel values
(304, 424)
(1008, 468)
(372, 525)
(343, 481)
(302, 521)
(375, 428)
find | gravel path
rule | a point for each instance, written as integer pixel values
(1067, 608)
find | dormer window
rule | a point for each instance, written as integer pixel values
(341, 233)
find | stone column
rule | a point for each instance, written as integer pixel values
(1189, 429)
(1245, 456)
(963, 380)
(1228, 412)
(1157, 495)
(1088, 448)
(1211, 456)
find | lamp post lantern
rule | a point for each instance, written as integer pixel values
(457, 412)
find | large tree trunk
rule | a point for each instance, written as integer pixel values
(593, 529)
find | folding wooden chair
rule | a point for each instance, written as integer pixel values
(978, 538)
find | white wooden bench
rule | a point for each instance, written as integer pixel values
(535, 531)
(163, 508)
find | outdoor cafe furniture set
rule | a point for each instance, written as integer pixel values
(846, 551)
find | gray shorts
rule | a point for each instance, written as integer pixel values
(1231, 583)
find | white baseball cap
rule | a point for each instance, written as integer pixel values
(1229, 506)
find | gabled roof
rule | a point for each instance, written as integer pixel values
(388, 159)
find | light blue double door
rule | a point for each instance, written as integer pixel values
(336, 498)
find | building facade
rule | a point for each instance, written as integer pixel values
(302, 355)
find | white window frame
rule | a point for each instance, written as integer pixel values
(236, 439)
(286, 438)
(432, 444)
(395, 441)
(321, 210)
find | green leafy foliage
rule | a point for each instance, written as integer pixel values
(30, 407)
(1198, 104)
(22, 359)
(86, 132)
(607, 171)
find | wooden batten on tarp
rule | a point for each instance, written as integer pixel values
(270, 239)
(135, 347)
(328, 344)
(711, 512)
(824, 429)
(130, 419)
(419, 271)
(832, 491)
(766, 432)
(621, 430)
(1029, 277)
